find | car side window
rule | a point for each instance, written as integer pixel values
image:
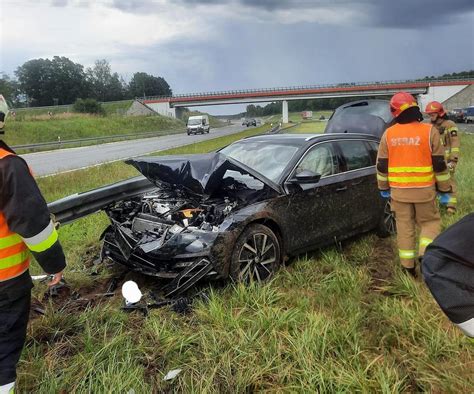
(320, 159)
(373, 150)
(356, 154)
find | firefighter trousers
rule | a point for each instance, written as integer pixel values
(453, 195)
(14, 315)
(409, 216)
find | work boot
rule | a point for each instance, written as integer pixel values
(411, 272)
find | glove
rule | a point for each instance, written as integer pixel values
(385, 193)
(443, 198)
(451, 165)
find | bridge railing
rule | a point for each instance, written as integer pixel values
(308, 87)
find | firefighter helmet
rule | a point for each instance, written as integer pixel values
(3, 111)
(435, 107)
(400, 102)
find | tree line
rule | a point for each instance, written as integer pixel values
(60, 81)
(331, 103)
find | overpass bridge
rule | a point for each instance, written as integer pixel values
(440, 90)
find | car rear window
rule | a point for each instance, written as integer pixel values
(356, 154)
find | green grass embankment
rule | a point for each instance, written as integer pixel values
(334, 321)
(72, 126)
(110, 108)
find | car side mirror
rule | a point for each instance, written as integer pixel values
(306, 176)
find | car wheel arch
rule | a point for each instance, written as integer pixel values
(275, 227)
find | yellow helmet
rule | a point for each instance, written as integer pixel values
(3, 112)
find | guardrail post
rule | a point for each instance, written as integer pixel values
(59, 141)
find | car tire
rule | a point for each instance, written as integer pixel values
(256, 256)
(387, 223)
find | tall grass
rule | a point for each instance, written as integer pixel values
(329, 322)
(42, 128)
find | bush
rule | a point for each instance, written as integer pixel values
(88, 106)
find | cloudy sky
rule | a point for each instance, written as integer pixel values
(205, 45)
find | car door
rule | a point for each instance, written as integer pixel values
(313, 213)
(363, 201)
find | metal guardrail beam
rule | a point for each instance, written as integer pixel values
(89, 139)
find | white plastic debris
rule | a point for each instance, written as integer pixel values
(39, 277)
(131, 292)
(172, 374)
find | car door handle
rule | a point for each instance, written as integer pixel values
(355, 183)
(341, 189)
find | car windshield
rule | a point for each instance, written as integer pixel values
(194, 121)
(376, 108)
(267, 158)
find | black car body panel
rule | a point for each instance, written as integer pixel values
(363, 116)
(200, 173)
(190, 213)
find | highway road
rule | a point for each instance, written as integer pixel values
(63, 160)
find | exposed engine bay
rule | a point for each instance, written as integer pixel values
(154, 218)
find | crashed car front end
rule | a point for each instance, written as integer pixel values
(162, 235)
(184, 229)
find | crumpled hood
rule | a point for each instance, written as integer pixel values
(200, 173)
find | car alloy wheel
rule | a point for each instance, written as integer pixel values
(387, 224)
(389, 219)
(257, 255)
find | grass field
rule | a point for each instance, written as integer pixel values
(42, 128)
(308, 127)
(296, 116)
(111, 108)
(338, 320)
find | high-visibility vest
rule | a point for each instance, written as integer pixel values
(14, 254)
(409, 156)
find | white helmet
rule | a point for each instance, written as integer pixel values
(3, 112)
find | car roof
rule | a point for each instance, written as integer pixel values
(308, 139)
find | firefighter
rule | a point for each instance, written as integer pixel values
(450, 140)
(25, 229)
(410, 170)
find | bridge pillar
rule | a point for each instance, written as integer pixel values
(285, 111)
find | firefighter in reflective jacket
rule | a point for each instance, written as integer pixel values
(410, 170)
(450, 140)
(26, 229)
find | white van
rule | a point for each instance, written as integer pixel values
(198, 124)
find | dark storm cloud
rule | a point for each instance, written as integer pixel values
(400, 13)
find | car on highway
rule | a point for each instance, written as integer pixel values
(362, 116)
(469, 114)
(249, 122)
(457, 115)
(240, 212)
(198, 124)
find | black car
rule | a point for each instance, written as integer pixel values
(241, 211)
(363, 116)
(457, 115)
(249, 122)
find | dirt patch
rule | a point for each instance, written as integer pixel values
(65, 299)
(380, 264)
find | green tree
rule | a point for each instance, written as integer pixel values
(103, 84)
(143, 84)
(9, 89)
(50, 82)
(89, 106)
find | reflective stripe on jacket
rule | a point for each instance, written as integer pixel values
(14, 254)
(409, 156)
